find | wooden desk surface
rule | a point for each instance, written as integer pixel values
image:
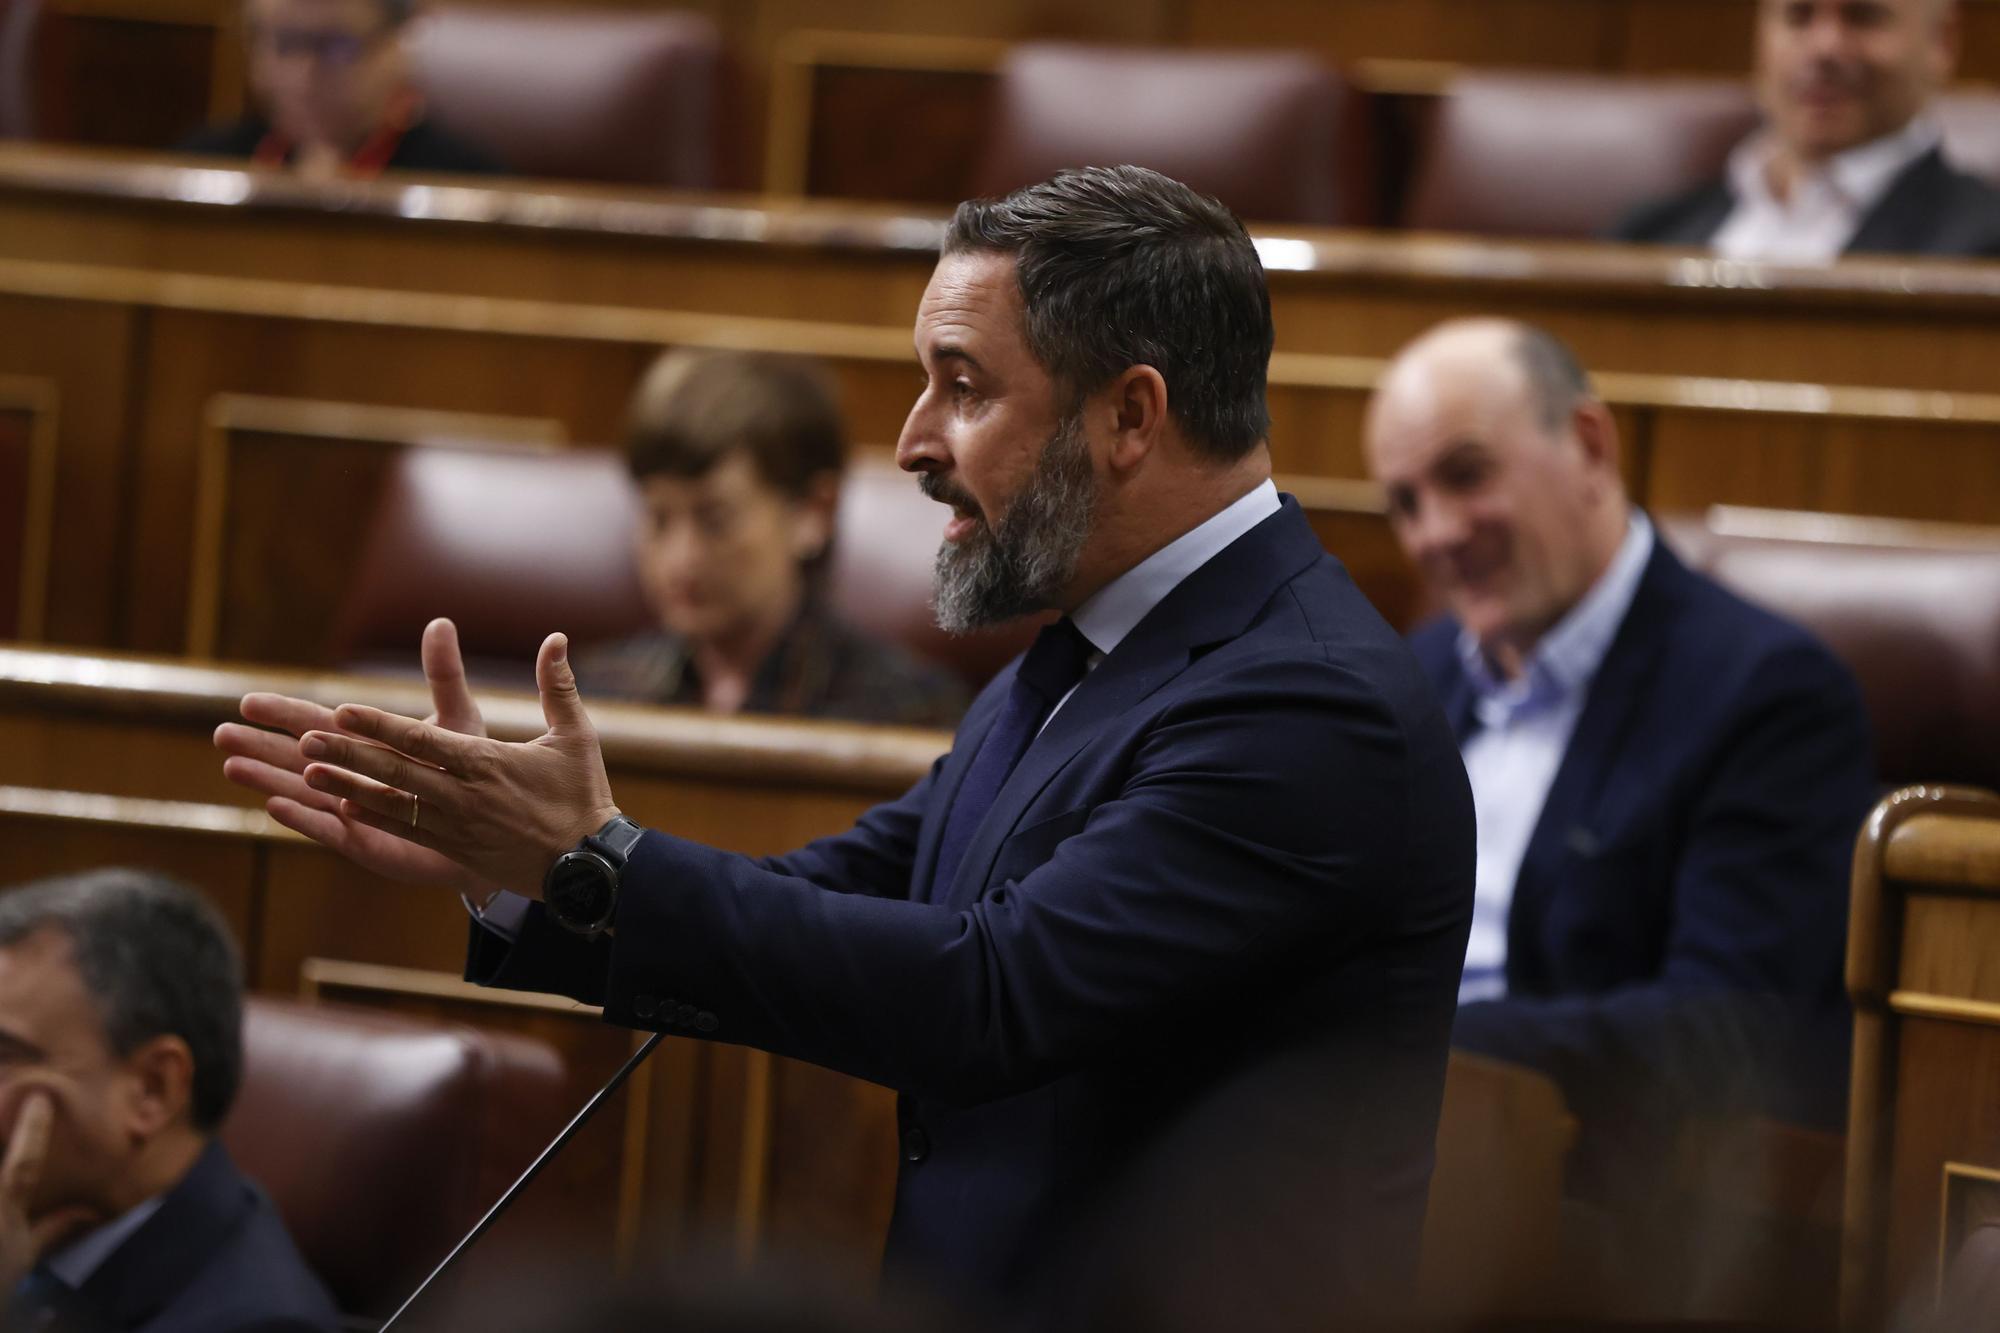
(1912, 324)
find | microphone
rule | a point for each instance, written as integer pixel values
(480, 1228)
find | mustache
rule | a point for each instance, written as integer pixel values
(1831, 76)
(935, 486)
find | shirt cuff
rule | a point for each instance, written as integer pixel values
(504, 914)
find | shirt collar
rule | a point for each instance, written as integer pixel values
(1860, 176)
(1567, 657)
(76, 1261)
(1113, 611)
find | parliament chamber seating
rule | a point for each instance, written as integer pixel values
(1276, 135)
(1568, 155)
(624, 95)
(376, 1135)
(1913, 609)
(19, 20)
(1971, 120)
(514, 544)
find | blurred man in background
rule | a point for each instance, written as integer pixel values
(1849, 160)
(738, 459)
(332, 83)
(1668, 780)
(120, 1051)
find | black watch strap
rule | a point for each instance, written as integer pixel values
(615, 841)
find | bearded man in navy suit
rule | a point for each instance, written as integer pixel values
(1669, 780)
(1202, 857)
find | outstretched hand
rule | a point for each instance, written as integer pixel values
(265, 758)
(502, 812)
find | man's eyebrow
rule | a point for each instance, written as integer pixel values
(955, 352)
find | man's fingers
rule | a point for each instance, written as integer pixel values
(444, 668)
(271, 780)
(267, 747)
(27, 1148)
(419, 740)
(389, 799)
(397, 824)
(322, 825)
(562, 706)
(297, 716)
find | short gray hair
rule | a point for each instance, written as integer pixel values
(1557, 381)
(157, 959)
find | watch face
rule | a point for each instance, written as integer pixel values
(578, 890)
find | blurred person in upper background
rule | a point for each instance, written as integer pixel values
(332, 84)
(1668, 780)
(1849, 159)
(738, 458)
(121, 1048)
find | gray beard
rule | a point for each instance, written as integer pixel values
(1018, 565)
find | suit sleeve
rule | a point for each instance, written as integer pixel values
(1750, 974)
(1222, 846)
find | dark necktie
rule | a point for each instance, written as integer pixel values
(1054, 663)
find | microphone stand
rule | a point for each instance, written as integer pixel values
(480, 1228)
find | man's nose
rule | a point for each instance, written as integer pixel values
(1435, 528)
(919, 448)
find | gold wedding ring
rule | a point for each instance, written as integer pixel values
(416, 807)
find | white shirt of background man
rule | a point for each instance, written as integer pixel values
(1826, 207)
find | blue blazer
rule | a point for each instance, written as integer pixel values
(1677, 928)
(215, 1258)
(1245, 838)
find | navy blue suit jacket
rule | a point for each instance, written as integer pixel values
(1677, 926)
(215, 1258)
(1247, 836)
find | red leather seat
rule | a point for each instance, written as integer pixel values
(19, 23)
(511, 546)
(1971, 120)
(1917, 623)
(626, 95)
(1273, 134)
(1568, 155)
(375, 1135)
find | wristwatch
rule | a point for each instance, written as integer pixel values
(581, 889)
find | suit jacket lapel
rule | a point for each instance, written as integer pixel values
(1622, 681)
(1901, 219)
(1212, 605)
(979, 720)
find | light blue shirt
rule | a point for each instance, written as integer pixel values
(76, 1261)
(1524, 726)
(1106, 617)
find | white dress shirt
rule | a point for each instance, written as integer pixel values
(1523, 729)
(1106, 617)
(1825, 207)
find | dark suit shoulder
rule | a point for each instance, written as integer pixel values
(236, 138)
(429, 146)
(1690, 218)
(1932, 208)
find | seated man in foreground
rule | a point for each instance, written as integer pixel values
(332, 82)
(1209, 838)
(1849, 161)
(121, 1014)
(1669, 781)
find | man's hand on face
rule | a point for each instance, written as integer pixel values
(265, 758)
(26, 1239)
(499, 812)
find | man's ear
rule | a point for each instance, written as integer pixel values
(161, 1085)
(1596, 432)
(1137, 403)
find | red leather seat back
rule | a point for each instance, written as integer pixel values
(376, 1136)
(511, 546)
(879, 577)
(1275, 135)
(1570, 154)
(608, 95)
(20, 21)
(1971, 120)
(1919, 625)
